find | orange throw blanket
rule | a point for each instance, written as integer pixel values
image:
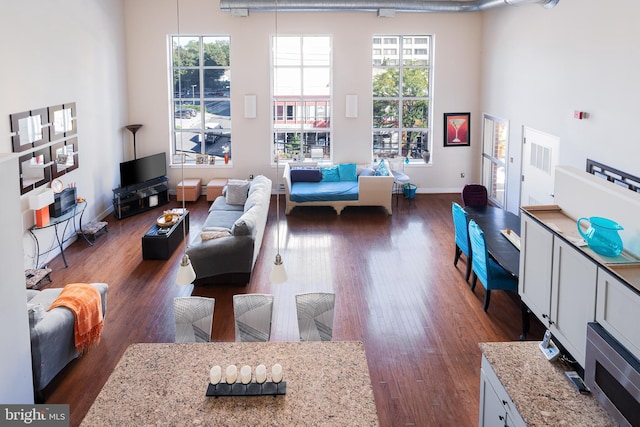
(85, 303)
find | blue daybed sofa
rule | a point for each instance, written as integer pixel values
(338, 186)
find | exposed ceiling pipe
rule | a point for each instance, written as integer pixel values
(372, 5)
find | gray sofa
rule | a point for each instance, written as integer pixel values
(52, 338)
(227, 248)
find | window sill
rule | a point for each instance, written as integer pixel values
(202, 166)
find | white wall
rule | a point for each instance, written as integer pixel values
(540, 65)
(69, 51)
(56, 52)
(456, 81)
(16, 383)
(604, 199)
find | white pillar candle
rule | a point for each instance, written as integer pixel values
(245, 374)
(276, 373)
(232, 374)
(261, 374)
(215, 375)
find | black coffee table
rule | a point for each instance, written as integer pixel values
(160, 242)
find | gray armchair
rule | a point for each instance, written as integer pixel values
(52, 338)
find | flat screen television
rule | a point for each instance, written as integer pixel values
(143, 169)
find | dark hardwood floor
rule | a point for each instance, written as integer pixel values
(396, 290)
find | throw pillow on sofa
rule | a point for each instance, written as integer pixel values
(382, 169)
(210, 235)
(368, 172)
(348, 172)
(237, 191)
(306, 175)
(247, 223)
(36, 313)
(330, 174)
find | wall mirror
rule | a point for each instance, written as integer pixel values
(28, 129)
(71, 151)
(35, 170)
(44, 127)
(59, 157)
(64, 156)
(63, 120)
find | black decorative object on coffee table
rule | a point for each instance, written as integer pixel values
(268, 388)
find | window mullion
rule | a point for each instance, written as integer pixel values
(397, 66)
(189, 113)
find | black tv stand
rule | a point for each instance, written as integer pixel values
(133, 199)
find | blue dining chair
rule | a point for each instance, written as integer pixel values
(490, 273)
(460, 224)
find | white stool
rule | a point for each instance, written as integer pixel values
(399, 180)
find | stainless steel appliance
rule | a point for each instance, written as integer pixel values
(613, 375)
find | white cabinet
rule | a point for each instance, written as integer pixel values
(617, 311)
(558, 284)
(496, 407)
(536, 255)
(573, 297)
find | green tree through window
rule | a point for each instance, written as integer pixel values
(201, 83)
(401, 95)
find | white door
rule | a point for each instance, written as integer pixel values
(539, 160)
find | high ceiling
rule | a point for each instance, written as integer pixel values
(242, 7)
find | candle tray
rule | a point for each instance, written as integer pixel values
(252, 389)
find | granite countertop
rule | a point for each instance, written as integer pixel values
(540, 390)
(625, 266)
(328, 384)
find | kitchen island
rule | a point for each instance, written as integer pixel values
(327, 384)
(534, 391)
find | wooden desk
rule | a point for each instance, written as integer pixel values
(492, 220)
(165, 384)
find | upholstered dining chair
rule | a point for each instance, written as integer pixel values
(194, 318)
(461, 227)
(315, 315)
(475, 195)
(252, 314)
(491, 275)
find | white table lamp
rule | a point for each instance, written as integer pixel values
(40, 204)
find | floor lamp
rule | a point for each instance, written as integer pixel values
(134, 129)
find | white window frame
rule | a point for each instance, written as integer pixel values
(204, 131)
(406, 43)
(299, 106)
(493, 128)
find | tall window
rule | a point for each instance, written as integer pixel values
(201, 116)
(302, 96)
(401, 96)
(495, 139)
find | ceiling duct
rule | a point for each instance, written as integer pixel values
(374, 5)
